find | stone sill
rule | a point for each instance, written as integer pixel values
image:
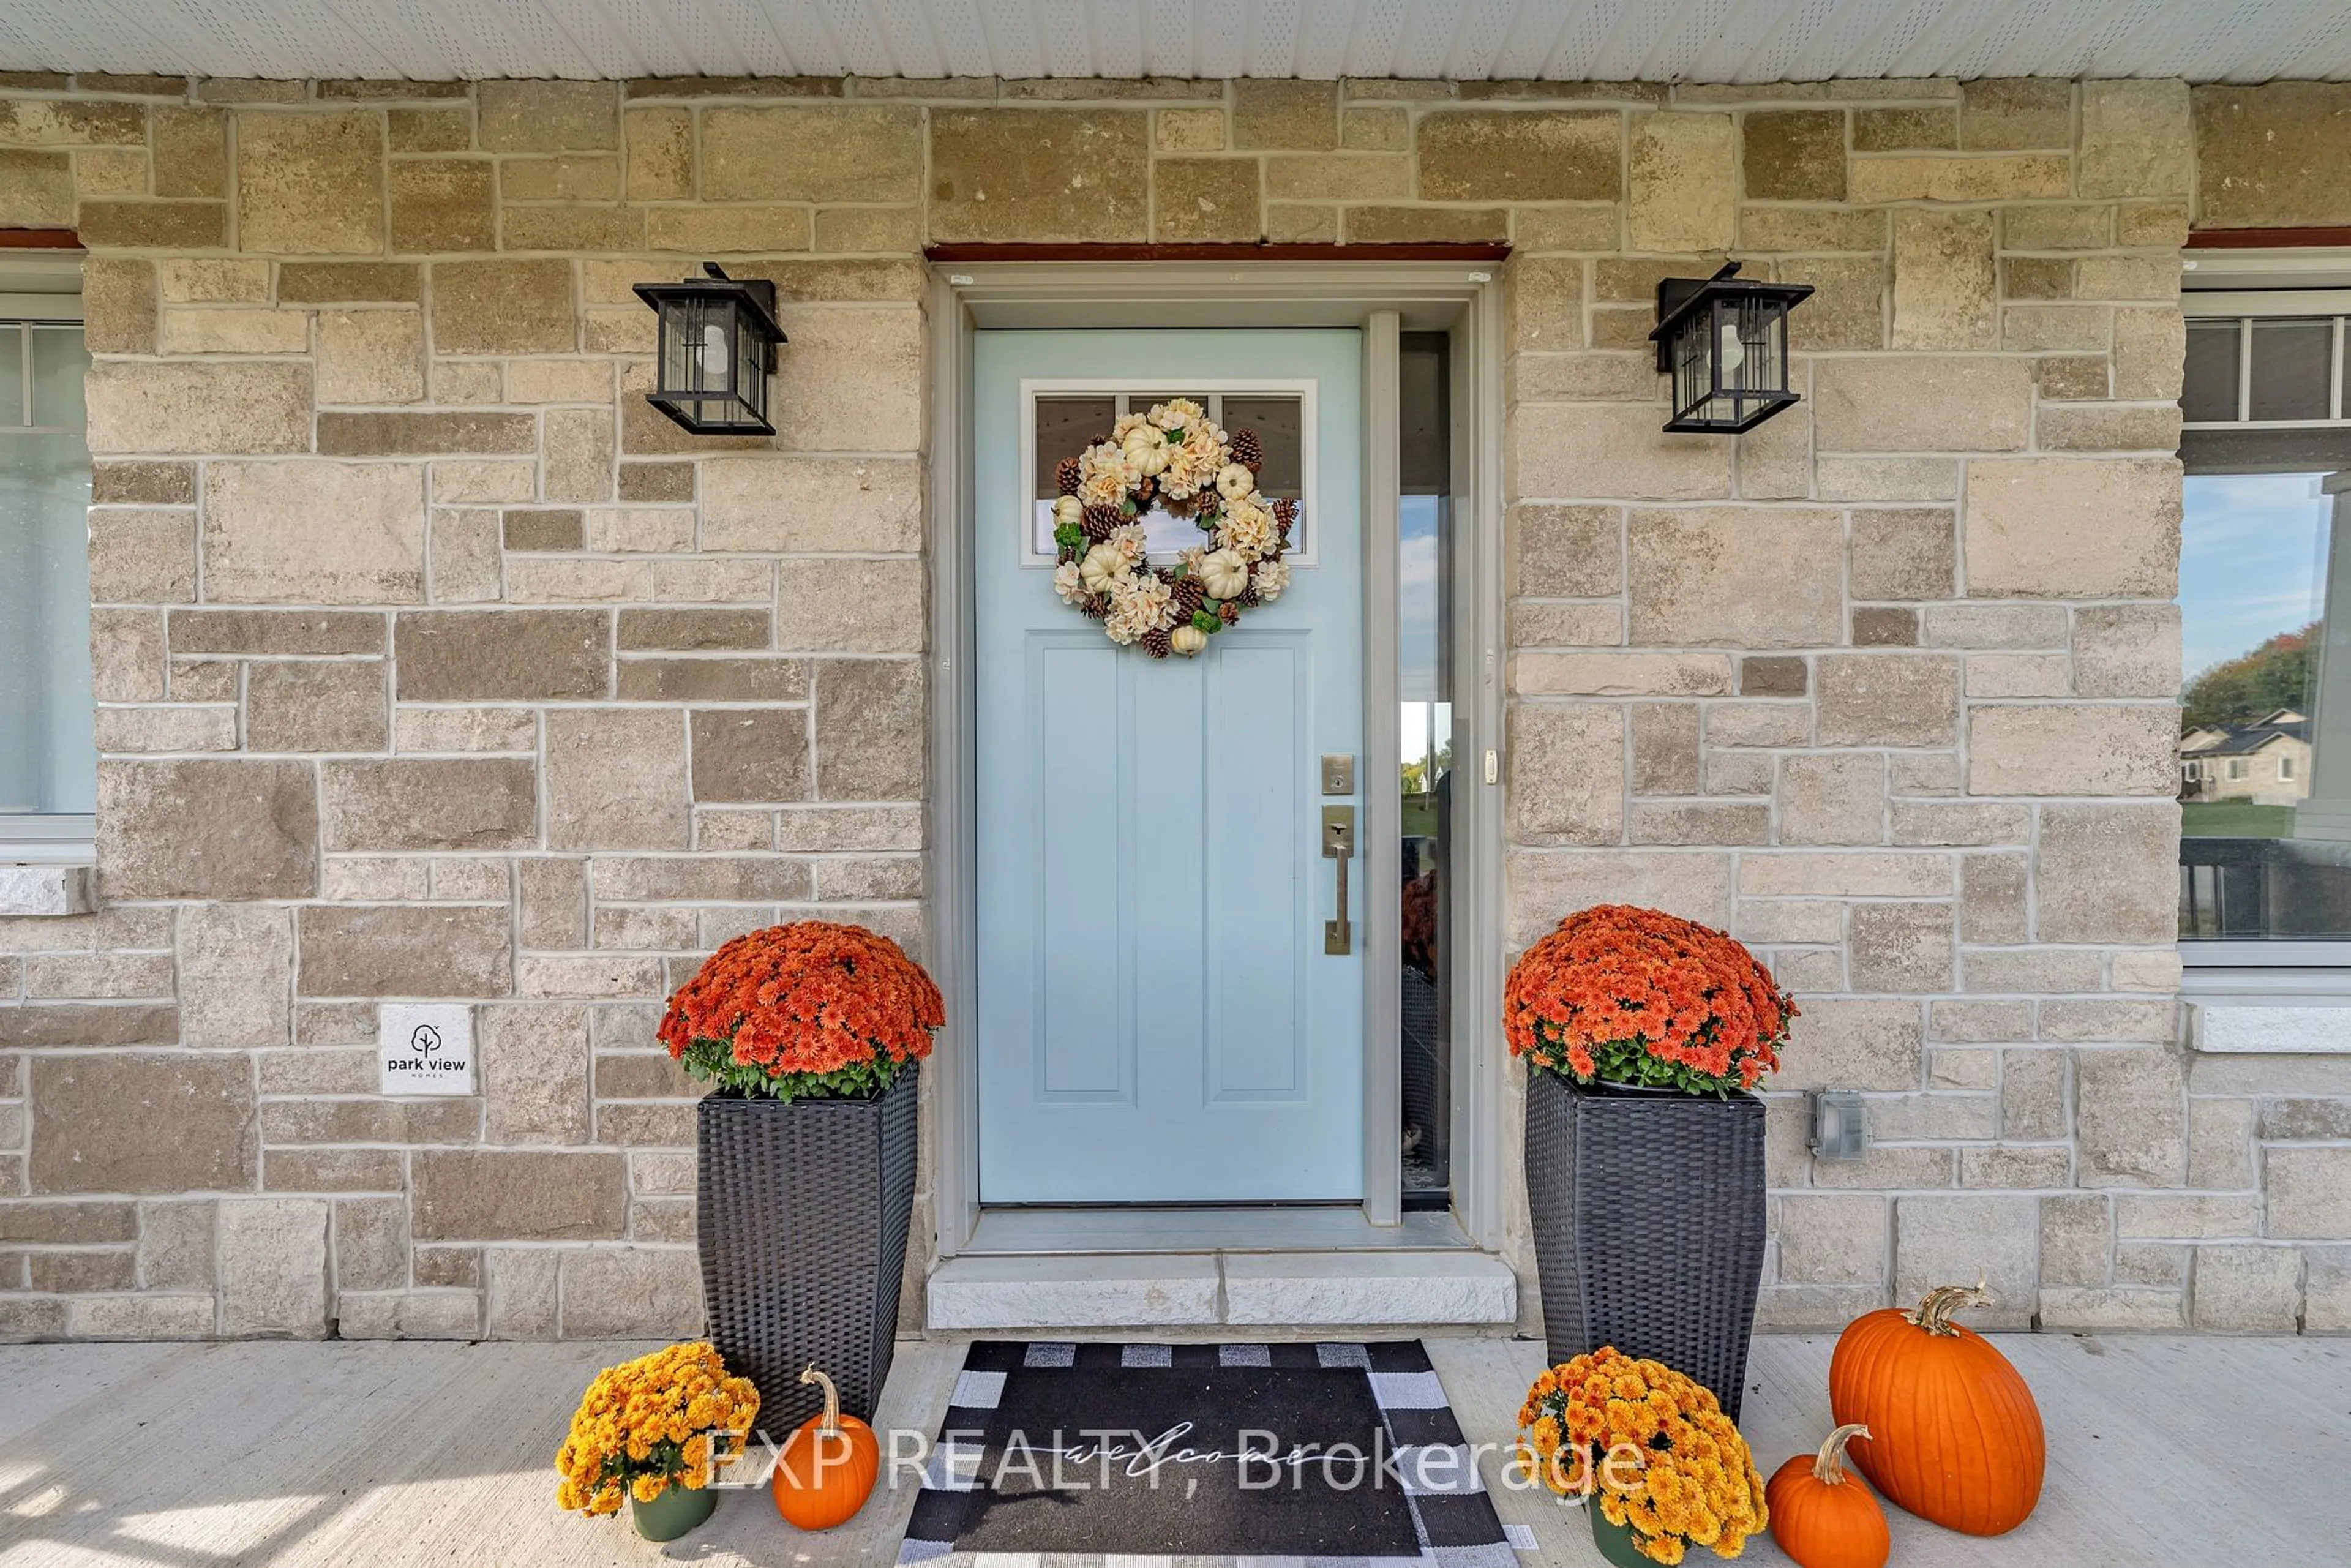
(54, 889)
(2265, 1027)
(1206, 1290)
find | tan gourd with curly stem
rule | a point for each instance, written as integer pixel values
(1824, 1516)
(1956, 1437)
(827, 1468)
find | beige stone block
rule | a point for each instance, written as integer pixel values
(2248, 1289)
(616, 780)
(1590, 227)
(1426, 225)
(1981, 404)
(2107, 874)
(547, 116)
(535, 1072)
(729, 230)
(1811, 228)
(842, 605)
(2127, 277)
(1846, 311)
(212, 281)
(1682, 196)
(207, 829)
(403, 950)
(1741, 822)
(2057, 228)
(2019, 675)
(869, 230)
(1543, 886)
(127, 659)
(1613, 450)
(2062, 329)
(630, 1291)
(141, 557)
(1839, 1042)
(273, 1267)
(1585, 377)
(252, 407)
(494, 1194)
(1945, 287)
(306, 707)
(151, 225)
(2072, 749)
(2150, 346)
(1878, 479)
(178, 728)
(444, 130)
(578, 177)
(1567, 774)
(2067, 527)
(816, 152)
(2136, 139)
(349, 283)
(310, 183)
(1902, 948)
(870, 743)
(475, 483)
(1888, 699)
(1016, 174)
(1747, 578)
(370, 356)
(2270, 156)
(1535, 625)
(578, 448)
(1906, 128)
(2110, 427)
(2130, 1117)
(111, 172)
(852, 380)
(1189, 130)
(1775, 459)
(750, 753)
(1903, 553)
(2126, 650)
(1832, 798)
(1834, 1239)
(465, 566)
(1545, 300)
(1882, 875)
(1287, 116)
(2019, 176)
(816, 829)
(1996, 1239)
(134, 1121)
(199, 331)
(66, 123)
(264, 542)
(36, 189)
(502, 308)
(1664, 755)
(1521, 155)
(444, 204)
(660, 160)
(2013, 113)
(1619, 674)
(1794, 155)
(436, 803)
(1205, 198)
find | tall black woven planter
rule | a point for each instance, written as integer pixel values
(803, 1215)
(1649, 1220)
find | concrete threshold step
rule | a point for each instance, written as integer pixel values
(1202, 1290)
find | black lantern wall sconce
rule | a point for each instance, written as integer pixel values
(718, 348)
(1724, 340)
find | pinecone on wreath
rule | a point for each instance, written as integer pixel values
(1157, 643)
(1065, 476)
(1249, 595)
(1247, 451)
(1100, 520)
(1096, 606)
(1187, 594)
(1285, 513)
(1228, 612)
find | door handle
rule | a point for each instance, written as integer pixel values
(1339, 847)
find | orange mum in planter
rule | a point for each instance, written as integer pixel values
(1640, 996)
(809, 1010)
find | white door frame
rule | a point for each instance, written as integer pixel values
(1381, 298)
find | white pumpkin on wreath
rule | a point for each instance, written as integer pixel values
(1174, 457)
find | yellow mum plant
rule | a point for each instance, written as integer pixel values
(647, 1425)
(1649, 1447)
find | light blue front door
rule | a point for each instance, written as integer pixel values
(1158, 1018)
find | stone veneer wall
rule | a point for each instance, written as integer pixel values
(432, 665)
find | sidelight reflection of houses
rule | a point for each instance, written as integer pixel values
(2264, 763)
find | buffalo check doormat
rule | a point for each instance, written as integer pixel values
(1202, 1456)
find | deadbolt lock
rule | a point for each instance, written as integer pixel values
(1337, 774)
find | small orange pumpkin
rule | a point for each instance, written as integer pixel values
(1957, 1436)
(827, 1469)
(1823, 1515)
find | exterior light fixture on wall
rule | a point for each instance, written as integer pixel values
(718, 338)
(1724, 340)
(1840, 1124)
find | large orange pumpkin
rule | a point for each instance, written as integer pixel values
(1956, 1436)
(826, 1468)
(1824, 1516)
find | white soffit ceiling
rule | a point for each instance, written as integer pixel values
(1562, 40)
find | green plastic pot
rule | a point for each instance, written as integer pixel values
(677, 1509)
(1615, 1541)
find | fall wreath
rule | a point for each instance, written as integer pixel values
(1177, 458)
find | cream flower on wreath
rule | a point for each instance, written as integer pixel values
(1102, 567)
(1234, 481)
(1101, 476)
(1271, 577)
(1129, 540)
(1069, 581)
(1139, 602)
(1178, 412)
(1247, 530)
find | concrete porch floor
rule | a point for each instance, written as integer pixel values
(2162, 1450)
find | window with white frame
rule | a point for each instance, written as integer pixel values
(48, 752)
(2265, 582)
